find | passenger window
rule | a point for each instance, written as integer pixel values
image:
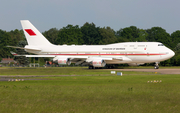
(141, 45)
(160, 45)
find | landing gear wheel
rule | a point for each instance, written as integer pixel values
(90, 67)
(109, 66)
(156, 67)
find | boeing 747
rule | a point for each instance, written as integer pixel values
(131, 53)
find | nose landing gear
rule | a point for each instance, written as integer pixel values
(156, 65)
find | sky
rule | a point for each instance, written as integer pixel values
(117, 14)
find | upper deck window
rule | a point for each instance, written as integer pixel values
(160, 45)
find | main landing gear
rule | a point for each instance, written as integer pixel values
(106, 67)
(91, 67)
(156, 65)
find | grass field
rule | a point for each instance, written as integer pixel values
(99, 93)
(58, 71)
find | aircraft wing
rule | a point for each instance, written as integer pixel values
(122, 58)
(75, 59)
(40, 56)
(80, 59)
(87, 60)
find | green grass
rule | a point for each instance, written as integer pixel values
(91, 94)
(59, 71)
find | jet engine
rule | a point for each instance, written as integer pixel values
(98, 63)
(62, 61)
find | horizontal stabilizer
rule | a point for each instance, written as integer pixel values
(26, 48)
(16, 47)
(32, 48)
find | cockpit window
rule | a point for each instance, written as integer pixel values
(160, 45)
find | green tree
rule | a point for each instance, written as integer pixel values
(52, 35)
(176, 60)
(158, 34)
(166, 63)
(177, 48)
(131, 33)
(24, 61)
(142, 35)
(16, 36)
(70, 35)
(91, 35)
(108, 35)
(4, 41)
(175, 38)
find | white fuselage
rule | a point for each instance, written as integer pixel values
(94, 55)
(132, 53)
(128, 52)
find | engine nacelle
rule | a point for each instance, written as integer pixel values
(135, 64)
(62, 61)
(98, 63)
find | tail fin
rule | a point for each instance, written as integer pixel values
(33, 36)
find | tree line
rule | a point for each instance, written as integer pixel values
(90, 34)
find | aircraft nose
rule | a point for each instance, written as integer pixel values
(171, 53)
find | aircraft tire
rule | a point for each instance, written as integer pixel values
(90, 67)
(156, 67)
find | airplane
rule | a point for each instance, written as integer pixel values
(95, 56)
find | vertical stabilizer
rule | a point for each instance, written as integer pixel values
(33, 36)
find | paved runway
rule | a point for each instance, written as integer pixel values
(162, 71)
(19, 77)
